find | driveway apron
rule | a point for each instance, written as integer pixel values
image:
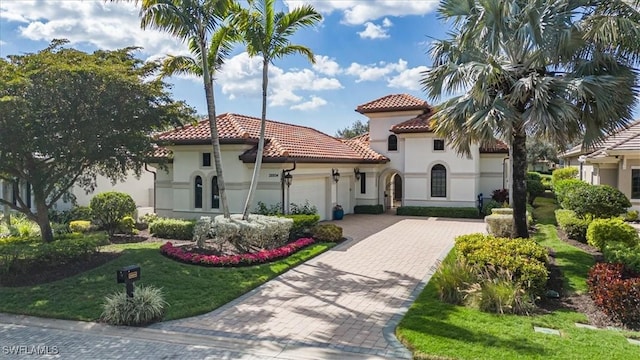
(349, 298)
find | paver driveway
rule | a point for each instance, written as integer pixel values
(349, 298)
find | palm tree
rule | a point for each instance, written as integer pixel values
(533, 68)
(195, 21)
(266, 33)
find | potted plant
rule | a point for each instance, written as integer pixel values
(338, 212)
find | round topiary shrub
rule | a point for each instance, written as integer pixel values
(603, 231)
(562, 188)
(327, 232)
(108, 209)
(80, 226)
(601, 201)
(145, 307)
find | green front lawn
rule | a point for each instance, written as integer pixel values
(433, 329)
(189, 289)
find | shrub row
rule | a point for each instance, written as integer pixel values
(523, 258)
(368, 209)
(65, 250)
(603, 231)
(600, 201)
(451, 212)
(302, 225)
(575, 227)
(563, 174)
(172, 229)
(616, 292)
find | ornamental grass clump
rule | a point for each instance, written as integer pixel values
(145, 307)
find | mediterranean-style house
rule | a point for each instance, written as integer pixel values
(399, 162)
(615, 161)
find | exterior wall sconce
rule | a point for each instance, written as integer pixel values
(335, 174)
(356, 172)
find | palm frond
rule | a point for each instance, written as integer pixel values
(180, 65)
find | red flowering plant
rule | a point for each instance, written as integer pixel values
(617, 292)
(178, 253)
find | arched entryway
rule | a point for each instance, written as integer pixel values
(391, 189)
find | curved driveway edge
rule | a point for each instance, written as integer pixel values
(349, 298)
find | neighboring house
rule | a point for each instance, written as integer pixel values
(615, 161)
(542, 166)
(400, 162)
(140, 189)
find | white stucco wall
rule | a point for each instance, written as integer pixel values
(491, 173)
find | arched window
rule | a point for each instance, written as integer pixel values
(198, 192)
(438, 181)
(215, 193)
(392, 143)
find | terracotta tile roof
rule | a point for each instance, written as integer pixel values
(283, 142)
(418, 124)
(498, 147)
(160, 152)
(360, 144)
(627, 139)
(395, 102)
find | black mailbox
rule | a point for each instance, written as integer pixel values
(128, 274)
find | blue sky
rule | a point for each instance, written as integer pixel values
(365, 49)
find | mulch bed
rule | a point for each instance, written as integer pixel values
(579, 303)
(45, 273)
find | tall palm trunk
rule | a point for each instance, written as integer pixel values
(213, 129)
(519, 194)
(263, 125)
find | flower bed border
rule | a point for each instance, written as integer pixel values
(261, 257)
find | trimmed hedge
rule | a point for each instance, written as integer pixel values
(563, 174)
(80, 226)
(172, 229)
(601, 201)
(616, 252)
(302, 225)
(450, 212)
(603, 231)
(524, 258)
(616, 292)
(368, 209)
(574, 226)
(563, 188)
(327, 233)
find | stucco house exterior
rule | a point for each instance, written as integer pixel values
(615, 161)
(400, 162)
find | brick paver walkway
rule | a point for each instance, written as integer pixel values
(349, 298)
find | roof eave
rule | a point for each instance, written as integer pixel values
(304, 160)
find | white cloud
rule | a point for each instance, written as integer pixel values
(373, 31)
(375, 72)
(241, 76)
(3, 42)
(312, 104)
(104, 25)
(408, 79)
(358, 12)
(386, 22)
(326, 65)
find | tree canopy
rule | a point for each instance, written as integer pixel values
(356, 129)
(556, 70)
(67, 115)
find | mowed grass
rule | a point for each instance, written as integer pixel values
(189, 289)
(435, 330)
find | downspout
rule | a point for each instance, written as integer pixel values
(503, 167)
(146, 167)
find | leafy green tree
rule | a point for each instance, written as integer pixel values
(356, 129)
(538, 150)
(203, 25)
(554, 70)
(267, 33)
(66, 116)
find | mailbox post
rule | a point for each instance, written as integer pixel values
(128, 275)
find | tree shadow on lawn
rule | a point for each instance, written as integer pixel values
(432, 319)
